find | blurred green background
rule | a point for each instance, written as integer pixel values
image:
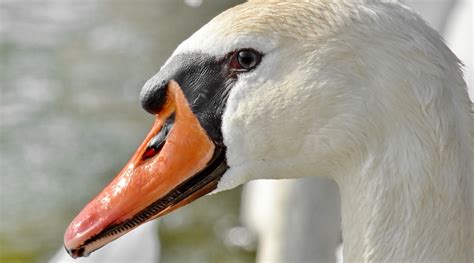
(71, 72)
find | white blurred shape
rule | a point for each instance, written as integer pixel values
(459, 36)
(296, 220)
(240, 237)
(435, 12)
(193, 3)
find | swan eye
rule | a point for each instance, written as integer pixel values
(245, 59)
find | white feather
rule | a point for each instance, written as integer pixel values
(365, 93)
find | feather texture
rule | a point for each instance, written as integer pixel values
(365, 93)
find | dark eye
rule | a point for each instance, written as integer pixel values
(245, 59)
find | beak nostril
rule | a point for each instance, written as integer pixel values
(149, 153)
(155, 145)
(157, 142)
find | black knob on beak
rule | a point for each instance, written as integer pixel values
(153, 95)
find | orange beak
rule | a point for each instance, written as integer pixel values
(176, 164)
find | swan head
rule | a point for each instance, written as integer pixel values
(289, 115)
(267, 89)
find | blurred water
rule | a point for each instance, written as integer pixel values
(70, 74)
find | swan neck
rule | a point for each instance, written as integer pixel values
(409, 204)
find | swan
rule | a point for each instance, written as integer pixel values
(362, 92)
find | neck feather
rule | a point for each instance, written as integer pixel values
(411, 200)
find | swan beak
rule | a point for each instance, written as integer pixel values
(176, 164)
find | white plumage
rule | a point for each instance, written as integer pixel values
(363, 92)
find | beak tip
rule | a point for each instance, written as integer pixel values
(83, 226)
(74, 236)
(68, 237)
(75, 253)
(69, 241)
(72, 244)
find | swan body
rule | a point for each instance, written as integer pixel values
(362, 92)
(295, 220)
